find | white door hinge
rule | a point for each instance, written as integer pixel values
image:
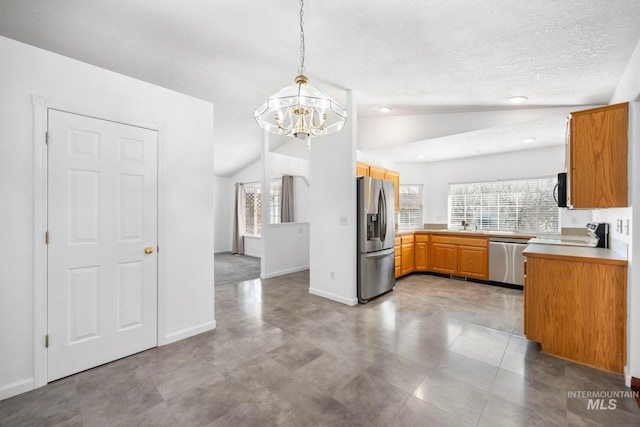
(47, 138)
(46, 341)
(46, 237)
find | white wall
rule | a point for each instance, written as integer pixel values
(628, 89)
(333, 213)
(224, 197)
(437, 176)
(186, 211)
(286, 246)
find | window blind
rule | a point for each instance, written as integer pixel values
(410, 215)
(515, 205)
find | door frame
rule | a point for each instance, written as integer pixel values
(40, 107)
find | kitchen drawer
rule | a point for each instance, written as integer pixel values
(482, 242)
(407, 238)
(422, 238)
(398, 241)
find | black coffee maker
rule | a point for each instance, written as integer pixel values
(599, 230)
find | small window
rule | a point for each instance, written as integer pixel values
(516, 205)
(252, 209)
(410, 206)
(275, 188)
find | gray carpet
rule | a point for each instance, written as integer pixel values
(230, 268)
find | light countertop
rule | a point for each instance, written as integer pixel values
(575, 253)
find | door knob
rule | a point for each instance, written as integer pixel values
(148, 250)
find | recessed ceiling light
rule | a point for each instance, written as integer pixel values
(528, 140)
(517, 99)
(385, 109)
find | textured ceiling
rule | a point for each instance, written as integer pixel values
(419, 57)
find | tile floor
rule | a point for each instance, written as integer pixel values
(435, 351)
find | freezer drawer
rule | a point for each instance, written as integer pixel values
(376, 274)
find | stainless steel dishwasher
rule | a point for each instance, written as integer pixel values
(506, 262)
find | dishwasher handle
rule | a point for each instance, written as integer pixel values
(512, 240)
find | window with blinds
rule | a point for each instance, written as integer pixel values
(410, 215)
(517, 205)
(252, 209)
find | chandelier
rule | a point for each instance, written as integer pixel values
(300, 110)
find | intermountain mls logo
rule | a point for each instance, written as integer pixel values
(603, 399)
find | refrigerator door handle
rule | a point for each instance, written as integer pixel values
(382, 214)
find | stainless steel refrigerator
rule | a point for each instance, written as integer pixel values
(376, 237)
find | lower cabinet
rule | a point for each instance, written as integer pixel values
(443, 258)
(421, 252)
(408, 264)
(577, 310)
(473, 261)
(460, 256)
(398, 249)
(442, 253)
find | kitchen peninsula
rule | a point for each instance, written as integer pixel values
(575, 304)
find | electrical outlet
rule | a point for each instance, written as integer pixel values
(619, 226)
(343, 220)
(333, 275)
(626, 227)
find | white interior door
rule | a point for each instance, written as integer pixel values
(102, 215)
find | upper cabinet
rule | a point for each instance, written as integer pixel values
(598, 147)
(363, 169)
(377, 172)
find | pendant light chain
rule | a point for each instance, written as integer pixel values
(301, 70)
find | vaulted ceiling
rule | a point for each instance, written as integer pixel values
(450, 64)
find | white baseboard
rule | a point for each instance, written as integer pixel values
(283, 272)
(186, 333)
(338, 298)
(16, 388)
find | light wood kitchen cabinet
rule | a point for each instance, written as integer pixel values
(443, 258)
(459, 256)
(377, 172)
(421, 252)
(576, 309)
(473, 262)
(362, 169)
(407, 254)
(598, 146)
(398, 259)
(394, 177)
